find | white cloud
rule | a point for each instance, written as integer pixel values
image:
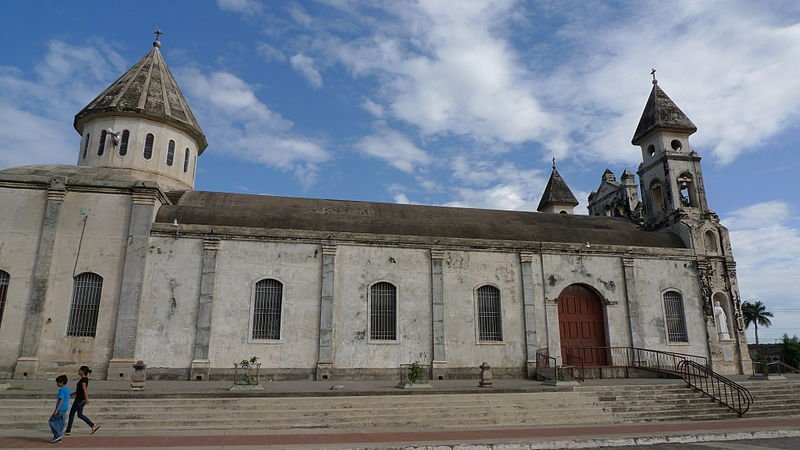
(446, 69)
(766, 243)
(373, 108)
(486, 184)
(269, 52)
(243, 126)
(36, 112)
(299, 15)
(246, 7)
(304, 65)
(394, 148)
(724, 64)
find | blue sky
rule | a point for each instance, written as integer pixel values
(447, 103)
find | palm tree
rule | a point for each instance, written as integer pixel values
(757, 314)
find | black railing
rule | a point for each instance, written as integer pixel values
(772, 368)
(633, 357)
(547, 367)
(725, 391)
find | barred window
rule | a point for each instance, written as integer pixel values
(86, 145)
(86, 290)
(4, 277)
(171, 152)
(148, 145)
(186, 160)
(383, 312)
(123, 145)
(267, 310)
(675, 317)
(101, 146)
(490, 323)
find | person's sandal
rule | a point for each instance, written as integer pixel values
(95, 428)
(67, 433)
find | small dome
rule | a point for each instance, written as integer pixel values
(146, 90)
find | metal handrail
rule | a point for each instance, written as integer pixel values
(723, 390)
(576, 361)
(635, 357)
(767, 368)
(547, 367)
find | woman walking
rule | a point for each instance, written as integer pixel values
(81, 399)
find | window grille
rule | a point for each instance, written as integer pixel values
(86, 290)
(186, 160)
(171, 153)
(148, 146)
(267, 310)
(101, 147)
(676, 320)
(86, 145)
(490, 323)
(123, 144)
(4, 277)
(383, 312)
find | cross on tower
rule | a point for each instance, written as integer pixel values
(158, 33)
(653, 73)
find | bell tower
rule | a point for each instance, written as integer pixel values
(674, 199)
(670, 176)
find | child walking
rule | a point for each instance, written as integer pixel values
(81, 399)
(56, 420)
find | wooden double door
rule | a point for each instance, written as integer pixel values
(582, 327)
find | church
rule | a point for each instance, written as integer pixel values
(118, 258)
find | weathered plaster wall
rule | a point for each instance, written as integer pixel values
(464, 272)
(168, 311)
(357, 268)
(19, 237)
(240, 265)
(653, 277)
(102, 251)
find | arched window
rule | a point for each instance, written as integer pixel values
(86, 290)
(101, 147)
(657, 197)
(267, 309)
(123, 145)
(171, 152)
(148, 146)
(383, 312)
(4, 278)
(675, 317)
(711, 242)
(490, 322)
(86, 145)
(186, 160)
(685, 190)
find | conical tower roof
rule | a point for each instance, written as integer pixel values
(556, 192)
(661, 113)
(146, 90)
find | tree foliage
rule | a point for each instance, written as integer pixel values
(790, 351)
(757, 314)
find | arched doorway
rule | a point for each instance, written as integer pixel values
(581, 326)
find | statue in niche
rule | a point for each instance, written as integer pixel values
(722, 322)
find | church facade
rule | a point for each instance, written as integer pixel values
(118, 259)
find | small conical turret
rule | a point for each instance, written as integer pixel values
(557, 197)
(661, 113)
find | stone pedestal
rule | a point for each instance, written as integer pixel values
(438, 370)
(26, 368)
(486, 376)
(120, 369)
(323, 372)
(138, 376)
(200, 370)
(531, 369)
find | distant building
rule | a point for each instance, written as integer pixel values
(118, 258)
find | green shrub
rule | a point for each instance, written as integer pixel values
(790, 353)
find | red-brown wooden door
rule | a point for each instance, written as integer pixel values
(580, 323)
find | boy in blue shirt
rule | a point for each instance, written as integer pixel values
(62, 406)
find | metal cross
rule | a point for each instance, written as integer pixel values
(653, 73)
(554, 163)
(158, 33)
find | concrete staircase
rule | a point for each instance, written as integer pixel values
(583, 405)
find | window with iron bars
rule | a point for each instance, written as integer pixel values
(4, 277)
(86, 290)
(675, 317)
(490, 321)
(383, 312)
(267, 310)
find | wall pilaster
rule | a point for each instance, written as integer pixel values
(200, 363)
(325, 354)
(439, 363)
(529, 312)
